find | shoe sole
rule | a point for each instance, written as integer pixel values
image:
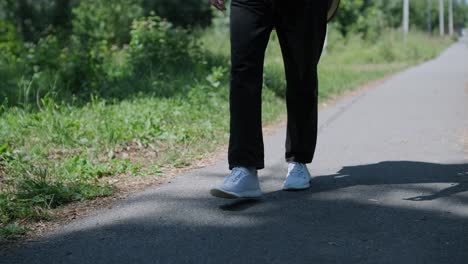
(295, 188)
(220, 193)
(299, 188)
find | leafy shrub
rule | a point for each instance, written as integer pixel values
(48, 68)
(157, 44)
(10, 44)
(10, 48)
(37, 18)
(43, 58)
(105, 20)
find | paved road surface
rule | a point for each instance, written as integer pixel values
(390, 186)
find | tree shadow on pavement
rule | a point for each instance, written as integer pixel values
(320, 225)
(239, 204)
(382, 173)
(398, 172)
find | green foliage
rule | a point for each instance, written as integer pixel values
(109, 49)
(45, 68)
(347, 15)
(30, 189)
(155, 43)
(371, 24)
(41, 191)
(13, 208)
(460, 16)
(370, 18)
(87, 65)
(10, 44)
(105, 20)
(367, 18)
(99, 29)
(43, 60)
(12, 230)
(391, 47)
(37, 18)
(10, 47)
(35, 191)
(186, 13)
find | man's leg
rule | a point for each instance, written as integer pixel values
(301, 27)
(250, 27)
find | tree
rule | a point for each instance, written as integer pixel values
(406, 10)
(450, 15)
(441, 17)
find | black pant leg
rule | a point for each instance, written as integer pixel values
(301, 28)
(250, 28)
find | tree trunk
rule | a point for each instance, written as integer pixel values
(441, 17)
(450, 17)
(405, 16)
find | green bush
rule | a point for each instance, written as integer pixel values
(155, 43)
(10, 44)
(35, 19)
(10, 47)
(47, 68)
(105, 20)
(93, 64)
(38, 18)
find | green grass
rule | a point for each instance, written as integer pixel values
(66, 152)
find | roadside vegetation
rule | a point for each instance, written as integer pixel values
(100, 95)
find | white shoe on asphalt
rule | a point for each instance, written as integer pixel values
(298, 177)
(242, 182)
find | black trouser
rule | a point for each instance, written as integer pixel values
(301, 28)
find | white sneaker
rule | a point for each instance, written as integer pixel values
(242, 182)
(298, 177)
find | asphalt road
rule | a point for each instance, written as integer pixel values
(390, 186)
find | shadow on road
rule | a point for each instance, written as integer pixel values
(164, 226)
(240, 205)
(382, 173)
(398, 172)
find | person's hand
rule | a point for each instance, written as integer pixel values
(219, 4)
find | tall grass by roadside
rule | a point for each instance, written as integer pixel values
(346, 62)
(66, 152)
